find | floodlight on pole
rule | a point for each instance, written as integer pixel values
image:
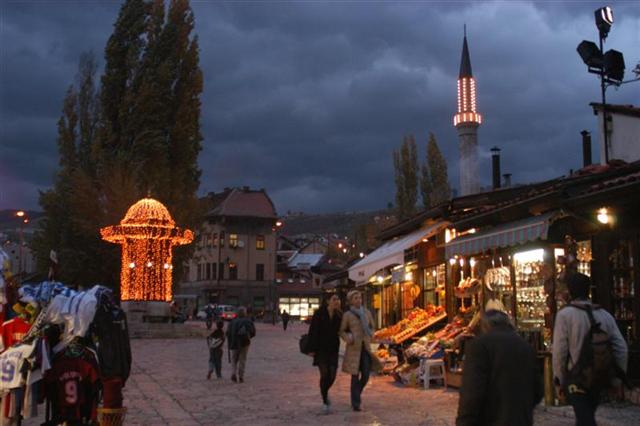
(609, 66)
(613, 65)
(591, 56)
(604, 20)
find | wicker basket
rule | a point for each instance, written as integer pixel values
(111, 416)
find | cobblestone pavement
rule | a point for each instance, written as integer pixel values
(168, 386)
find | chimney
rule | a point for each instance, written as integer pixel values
(586, 148)
(495, 164)
(507, 180)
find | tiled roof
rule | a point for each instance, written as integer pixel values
(246, 203)
(612, 183)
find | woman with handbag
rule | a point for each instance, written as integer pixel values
(356, 330)
(324, 344)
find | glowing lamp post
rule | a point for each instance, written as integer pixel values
(147, 235)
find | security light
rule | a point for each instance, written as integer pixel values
(604, 20)
(590, 54)
(613, 63)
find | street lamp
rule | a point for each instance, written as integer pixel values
(24, 220)
(609, 66)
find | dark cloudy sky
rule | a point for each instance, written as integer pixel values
(308, 99)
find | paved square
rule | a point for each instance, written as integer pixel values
(168, 385)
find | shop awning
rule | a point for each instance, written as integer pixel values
(390, 253)
(507, 235)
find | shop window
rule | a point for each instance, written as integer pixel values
(260, 242)
(621, 264)
(259, 272)
(233, 271)
(584, 257)
(530, 294)
(233, 240)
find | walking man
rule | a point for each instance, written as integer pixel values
(356, 329)
(285, 319)
(583, 368)
(500, 384)
(239, 334)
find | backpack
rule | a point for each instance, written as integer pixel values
(595, 367)
(242, 336)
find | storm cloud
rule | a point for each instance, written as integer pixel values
(309, 99)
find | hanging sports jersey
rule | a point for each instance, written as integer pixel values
(12, 332)
(11, 363)
(72, 380)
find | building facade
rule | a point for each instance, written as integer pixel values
(235, 258)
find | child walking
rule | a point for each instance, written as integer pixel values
(215, 341)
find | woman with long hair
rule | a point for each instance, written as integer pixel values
(324, 343)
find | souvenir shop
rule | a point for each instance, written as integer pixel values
(403, 274)
(63, 351)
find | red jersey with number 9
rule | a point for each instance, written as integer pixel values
(73, 382)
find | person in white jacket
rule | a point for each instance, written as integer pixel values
(572, 325)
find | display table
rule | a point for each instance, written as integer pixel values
(408, 333)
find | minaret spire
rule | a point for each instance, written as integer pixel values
(467, 120)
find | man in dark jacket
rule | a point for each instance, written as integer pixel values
(239, 334)
(501, 383)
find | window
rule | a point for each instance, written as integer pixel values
(214, 271)
(214, 239)
(208, 240)
(233, 240)
(233, 271)
(208, 275)
(260, 244)
(258, 302)
(199, 277)
(221, 270)
(221, 238)
(259, 271)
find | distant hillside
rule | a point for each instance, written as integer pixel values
(343, 224)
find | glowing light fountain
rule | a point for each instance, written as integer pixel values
(147, 235)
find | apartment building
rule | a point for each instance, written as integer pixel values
(235, 258)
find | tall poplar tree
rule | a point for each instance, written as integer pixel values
(138, 134)
(434, 182)
(405, 162)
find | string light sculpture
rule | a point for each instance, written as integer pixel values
(147, 235)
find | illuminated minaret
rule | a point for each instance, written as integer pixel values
(467, 121)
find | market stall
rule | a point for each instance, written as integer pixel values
(64, 349)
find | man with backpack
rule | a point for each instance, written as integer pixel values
(239, 334)
(589, 352)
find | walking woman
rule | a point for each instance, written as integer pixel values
(324, 344)
(356, 330)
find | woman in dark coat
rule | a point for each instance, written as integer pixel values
(324, 343)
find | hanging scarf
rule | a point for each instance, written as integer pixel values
(361, 314)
